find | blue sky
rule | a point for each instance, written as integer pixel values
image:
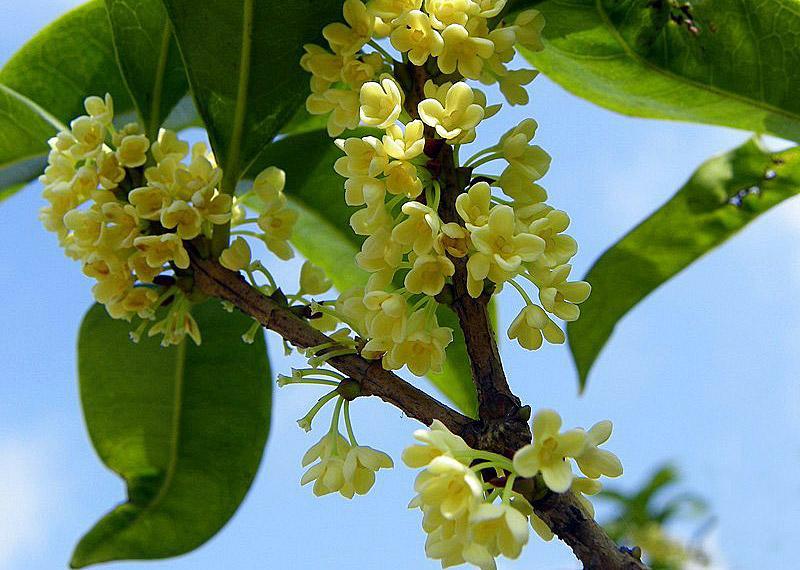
(703, 373)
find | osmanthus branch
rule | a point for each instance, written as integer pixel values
(503, 421)
(562, 513)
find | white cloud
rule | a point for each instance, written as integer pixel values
(23, 496)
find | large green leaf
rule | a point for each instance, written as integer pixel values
(184, 426)
(739, 70)
(242, 58)
(323, 235)
(45, 83)
(722, 196)
(148, 57)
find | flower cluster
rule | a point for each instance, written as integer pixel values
(454, 32)
(409, 250)
(125, 206)
(471, 511)
(337, 464)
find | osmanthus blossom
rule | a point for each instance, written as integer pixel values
(469, 520)
(550, 451)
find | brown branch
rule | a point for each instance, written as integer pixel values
(216, 281)
(495, 398)
(561, 512)
(587, 539)
(503, 427)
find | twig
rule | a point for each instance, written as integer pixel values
(216, 281)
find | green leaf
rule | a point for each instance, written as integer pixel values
(323, 235)
(722, 196)
(149, 59)
(739, 70)
(44, 84)
(184, 426)
(242, 58)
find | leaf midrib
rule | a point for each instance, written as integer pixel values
(234, 152)
(681, 78)
(158, 85)
(175, 433)
(40, 111)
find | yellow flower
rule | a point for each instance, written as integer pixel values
(405, 143)
(419, 230)
(137, 263)
(280, 224)
(516, 184)
(100, 109)
(363, 157)
(452, 240)
(138, 301)
(321, 63)
(350, 304)
(436, 441)
(583, 486)
(532, 325)
(149, 201)
(343, 106)
(328, 472)
(269, 184)
(169, 145)
(161, 249)
(360, 465)
(85, 181)
(549, 452)
(313, 280)
(112, 282)
(532, 161)
(402, 178)
(464, 52)
(277, 221)
(490, 8)
(381, 103)
(182, 217)
(89, 135)
(109, 172)
(120, 226)
(559, 248)
(414, 35)
(428, 274)
(457, 115)
(501, 251)
(85, 225)
(473, 206)
(387, 316)
(511, 85)
(132, 151)
(528, 27)
(423, 348)
(213, 205)
(347, 39)
(391, 9)
(595, 462)
(446, 12)
(500, 529)
(380, 253)
(60, 168)
(559, 296)
(178, 323)
(449, 486)
(370, 220)
(357, 71)
(364, 190)
(237, 256)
